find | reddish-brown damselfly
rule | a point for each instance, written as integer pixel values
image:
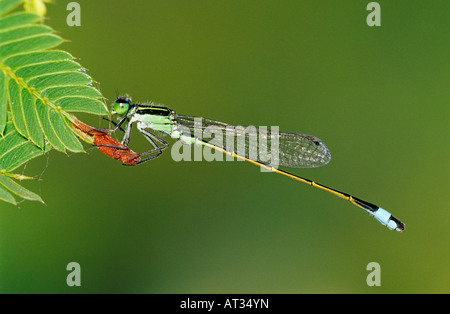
(106, 144)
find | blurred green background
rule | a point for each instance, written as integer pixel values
(377, 96)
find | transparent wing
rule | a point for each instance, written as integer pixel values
(284, 149)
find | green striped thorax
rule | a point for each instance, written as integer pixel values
(147, 116)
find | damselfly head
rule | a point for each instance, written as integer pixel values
(121, 106)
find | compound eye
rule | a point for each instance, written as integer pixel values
(121, 106)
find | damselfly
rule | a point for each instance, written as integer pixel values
(107, 145)
(294, 150)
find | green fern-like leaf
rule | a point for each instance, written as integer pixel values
(39, 88)
(15, 150)
(42, 86)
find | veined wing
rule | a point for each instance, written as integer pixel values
(259, 144)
